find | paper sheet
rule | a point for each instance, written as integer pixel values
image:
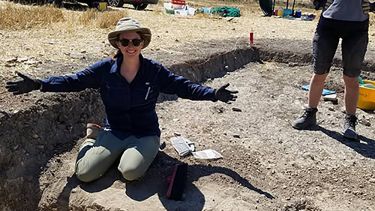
(207, 154)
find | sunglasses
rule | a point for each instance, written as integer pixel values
(135, 42)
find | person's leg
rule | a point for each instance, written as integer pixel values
(351, 98)
(325, 43)
(138, 157)
(96, 156)
(351, 94)
(354, 47)
(316, 89)
(324, 47)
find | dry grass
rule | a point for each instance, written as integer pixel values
(17, 17)
(101, 19)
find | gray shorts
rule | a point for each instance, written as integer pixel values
(354, 37)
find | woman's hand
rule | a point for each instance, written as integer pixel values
(225, 95)
(25, 85)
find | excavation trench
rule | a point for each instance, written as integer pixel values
(31, 137)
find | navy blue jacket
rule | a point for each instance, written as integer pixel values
(130, 108)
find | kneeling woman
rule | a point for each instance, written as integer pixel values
(129, 85)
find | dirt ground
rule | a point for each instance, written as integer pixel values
(266, 165)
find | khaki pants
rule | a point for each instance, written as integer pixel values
(96, 156)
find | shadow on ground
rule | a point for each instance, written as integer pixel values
(155, 182)
(364, 146)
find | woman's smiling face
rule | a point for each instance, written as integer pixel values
(130, 44)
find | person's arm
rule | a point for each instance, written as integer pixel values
(184, 88)
(87, 78)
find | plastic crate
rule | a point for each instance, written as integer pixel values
(366, 100)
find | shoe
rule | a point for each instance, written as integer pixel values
(92, 130)
(349, 127)
(307, 120)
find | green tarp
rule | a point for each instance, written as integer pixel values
(226, 11)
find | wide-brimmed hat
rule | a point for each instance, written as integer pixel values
(129, 24)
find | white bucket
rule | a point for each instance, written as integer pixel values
(191, 11)
(182, 12)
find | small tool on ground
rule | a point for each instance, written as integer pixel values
(176, 182)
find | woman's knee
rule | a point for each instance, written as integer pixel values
(84, 174)
(85, 177)
(132, 173)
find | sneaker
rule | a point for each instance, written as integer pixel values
(307, 120)
(349, 127)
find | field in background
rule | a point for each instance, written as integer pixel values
(16, 17)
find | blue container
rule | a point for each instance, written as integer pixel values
(287, 12)
(298, 14)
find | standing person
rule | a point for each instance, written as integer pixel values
(129, 86)
(348, 20)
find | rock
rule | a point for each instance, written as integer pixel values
(236, 109)
(32, 62)
(218, 109)
(365, 122)
(77, 56)
(11, 60)
(10, 64)
(22, 59)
